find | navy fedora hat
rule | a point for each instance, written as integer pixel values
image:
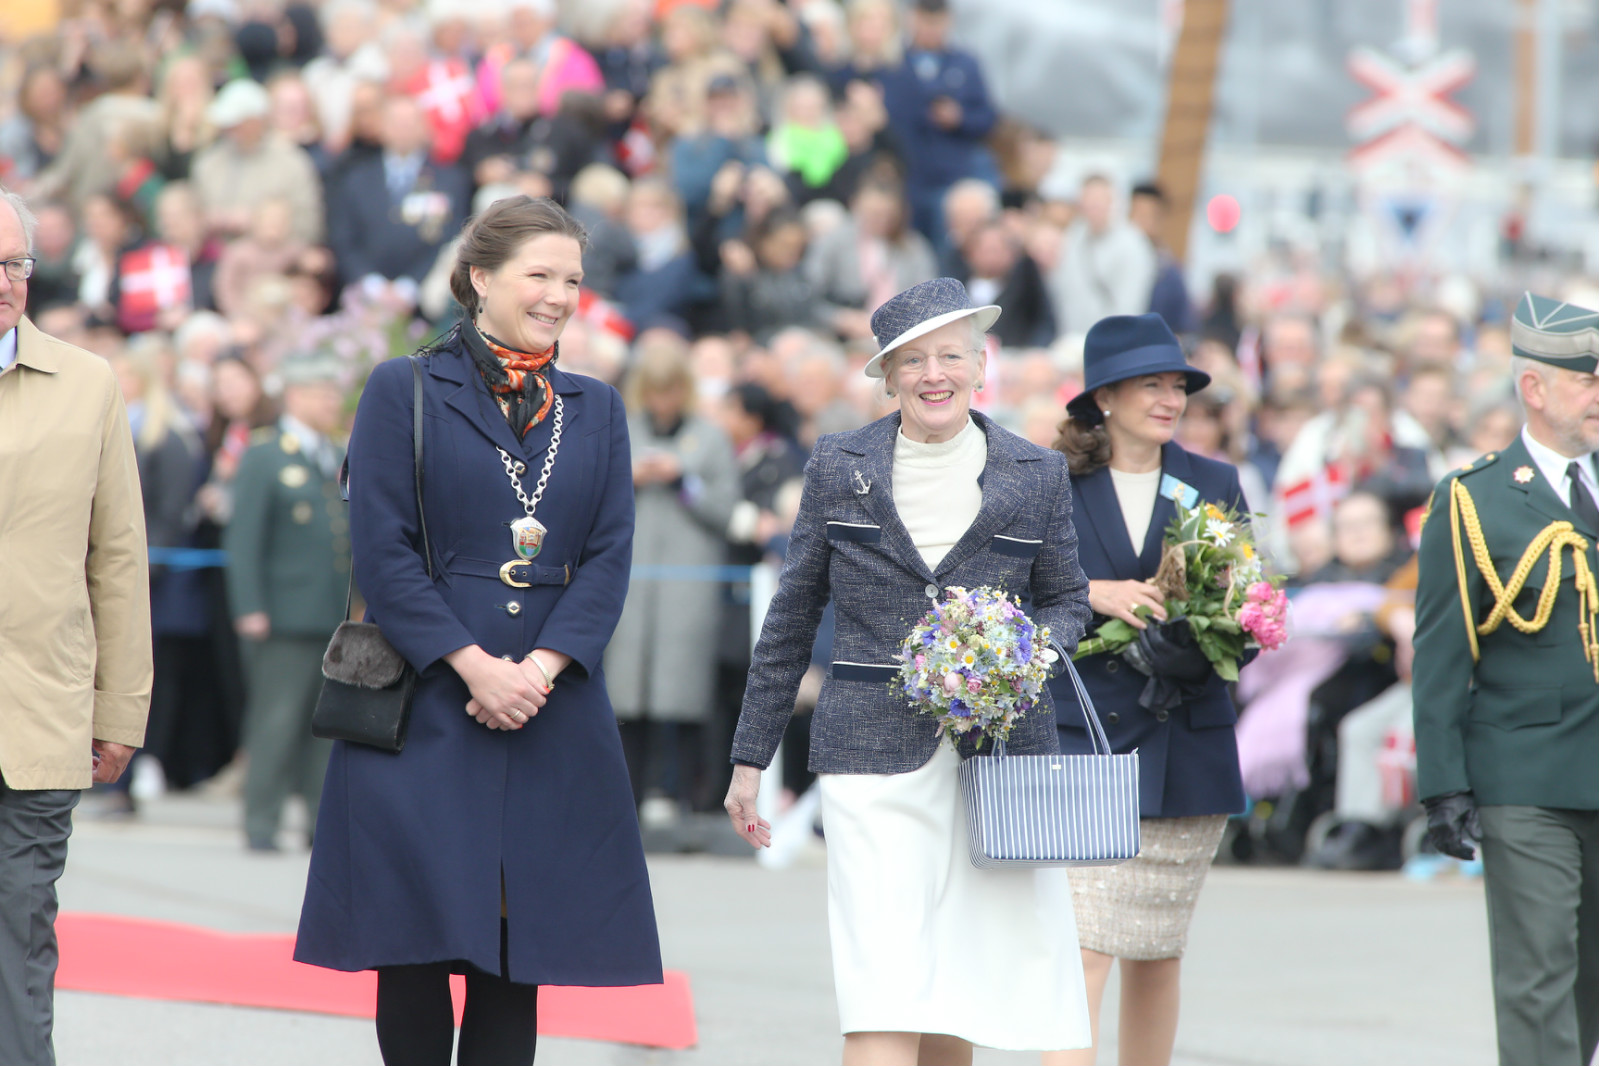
(1128, 346)
(918, 311)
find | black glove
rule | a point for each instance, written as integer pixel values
(1452, 824)
(1170, 656)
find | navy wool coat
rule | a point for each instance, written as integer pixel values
(412, 849)
(1187, 757)
(850, 546)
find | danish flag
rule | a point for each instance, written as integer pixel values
(155, 278)
(1315, 496)
(603, 315)
(449, 97)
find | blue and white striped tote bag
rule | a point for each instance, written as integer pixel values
(1052, 810)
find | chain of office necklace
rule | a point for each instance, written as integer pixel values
(529, 505)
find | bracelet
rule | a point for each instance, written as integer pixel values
(549, 682)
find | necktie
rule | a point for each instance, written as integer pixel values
(1581, 501)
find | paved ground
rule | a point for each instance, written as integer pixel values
(1285, 967)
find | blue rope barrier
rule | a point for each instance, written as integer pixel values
(188, 558)
(205, 558)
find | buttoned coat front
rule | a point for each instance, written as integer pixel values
(1188, 756)
(412, 849)
(75, 659)
(849, 545)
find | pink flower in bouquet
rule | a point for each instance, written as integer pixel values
(973, 685)
(1264, 615)
(952, 683)
(921, 662)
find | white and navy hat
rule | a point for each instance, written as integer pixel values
(1557, 333)
(918, 311)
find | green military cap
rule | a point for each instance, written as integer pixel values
(1558, 333)
(311, 369)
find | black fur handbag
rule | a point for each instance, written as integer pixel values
(367, 686)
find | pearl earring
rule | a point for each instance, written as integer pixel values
(1107, 412)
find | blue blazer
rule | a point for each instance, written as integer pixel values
(412, 849)
(1187, 758)
(850, 545)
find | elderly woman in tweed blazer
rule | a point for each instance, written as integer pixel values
(930, 954)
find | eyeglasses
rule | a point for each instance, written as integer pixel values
(19, 269)
(916, 362)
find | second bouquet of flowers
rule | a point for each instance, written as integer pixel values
(1211, 577)
(976, 663)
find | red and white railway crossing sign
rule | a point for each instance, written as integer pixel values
(1408, 95)
(1411, 117)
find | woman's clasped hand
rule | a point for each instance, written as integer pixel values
(505, 694)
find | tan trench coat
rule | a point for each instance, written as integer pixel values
(74, 569)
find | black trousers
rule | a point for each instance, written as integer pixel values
(416, 1021)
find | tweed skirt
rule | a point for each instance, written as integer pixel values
(1141, 909)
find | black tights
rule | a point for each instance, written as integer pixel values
(416, 1021)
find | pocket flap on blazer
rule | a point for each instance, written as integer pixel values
(858, 532)
(1508, 708)
(1018, 547)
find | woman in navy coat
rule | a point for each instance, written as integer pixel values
(501, 842)
(1129, 476)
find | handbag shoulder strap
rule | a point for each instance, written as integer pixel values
(416, 460)
(416, 456)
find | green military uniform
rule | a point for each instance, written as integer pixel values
(1506, 679)
(288, 548)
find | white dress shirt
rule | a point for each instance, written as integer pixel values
(8, 349)
(1552, 465)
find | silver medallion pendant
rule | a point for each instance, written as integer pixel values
(527, 536)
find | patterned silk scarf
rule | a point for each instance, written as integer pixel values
(515, 379)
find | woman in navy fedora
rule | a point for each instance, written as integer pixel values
(1129, 476)
(930, 954)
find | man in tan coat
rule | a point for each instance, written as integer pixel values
(75, 661)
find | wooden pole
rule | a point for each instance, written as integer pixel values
(1526, 75)
(1190, 95)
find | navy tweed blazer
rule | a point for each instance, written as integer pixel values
(849, 545)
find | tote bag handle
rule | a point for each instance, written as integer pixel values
(1096, 732)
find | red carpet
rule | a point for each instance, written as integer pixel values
(164, 960)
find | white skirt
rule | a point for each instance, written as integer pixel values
(923, 941)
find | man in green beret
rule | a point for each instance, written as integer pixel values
(288, 546)
(1507, 688)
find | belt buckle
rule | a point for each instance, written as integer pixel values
(505, 575)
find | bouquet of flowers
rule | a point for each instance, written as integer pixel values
(976, 662)
(1210, 575)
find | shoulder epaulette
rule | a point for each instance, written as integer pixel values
(264, 435)
(1478, 464)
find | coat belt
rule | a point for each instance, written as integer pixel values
(516, 573)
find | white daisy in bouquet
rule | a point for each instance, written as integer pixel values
(976, 663)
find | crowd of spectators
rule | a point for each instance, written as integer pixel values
(222, 183)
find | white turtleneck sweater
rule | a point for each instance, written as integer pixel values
(936, 490)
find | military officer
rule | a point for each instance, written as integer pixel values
(288, 568)
(1507, 682)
